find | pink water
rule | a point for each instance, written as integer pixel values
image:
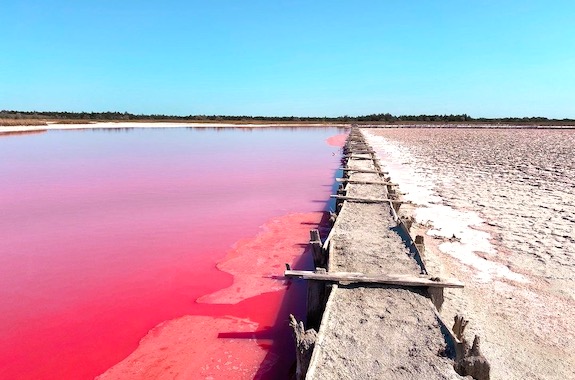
(105, 235)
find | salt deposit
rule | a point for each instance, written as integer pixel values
(497, 206)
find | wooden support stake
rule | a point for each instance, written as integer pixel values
(436, 295)
(469, 361)
(459, 325)
(316, 296)
(474, 364)
(304, 343)
(407, 222)
(419, 244)
(402, 280)
(319, 257)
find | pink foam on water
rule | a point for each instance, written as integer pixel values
(253, 262)
(189, 348)
(193, 346)
(337, 140)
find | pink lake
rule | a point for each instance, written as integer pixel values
(150, 253)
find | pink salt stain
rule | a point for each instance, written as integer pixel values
(254, 261)
(337, 140)
(189, 348)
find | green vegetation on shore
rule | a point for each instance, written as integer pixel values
(40, 118)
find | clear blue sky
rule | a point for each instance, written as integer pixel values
(306, 58)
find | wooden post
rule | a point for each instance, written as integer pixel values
(304, 344)
(419, 244)
(436, 295)
(459, 325)
(407, 222)
(316, 293)
(332, 218)
(319, 259)
(469, 361)
(474, 364)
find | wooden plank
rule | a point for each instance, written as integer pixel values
(402, 280)
(358, 158)
(361, 152)
(367, 200)
(363, 171)
(358, 147)
(365, 182)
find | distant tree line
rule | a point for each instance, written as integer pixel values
(367, 119)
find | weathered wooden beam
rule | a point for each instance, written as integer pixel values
(474, 364)
(304, 342)
(367, 200)
(363, 171)
(319, 255)
(437, 297)
(354, 156)
(367, 151)
(402, 280)
(358, 147)
(365, 182)
(420, 243)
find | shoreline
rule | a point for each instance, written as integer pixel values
(51, 126)
(139, 124)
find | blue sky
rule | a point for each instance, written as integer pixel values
(304, 58)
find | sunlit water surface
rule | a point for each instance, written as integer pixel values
(107, 234)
